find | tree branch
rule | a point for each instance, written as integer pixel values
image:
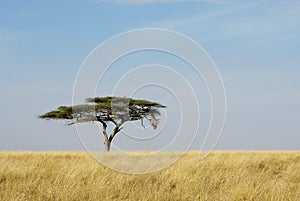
(142, 123)
(112, 120)
(101, 121)
(115, 131)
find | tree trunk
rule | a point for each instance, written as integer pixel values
(107, 145)
(106, 140)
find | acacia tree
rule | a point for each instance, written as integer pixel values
(115, 110)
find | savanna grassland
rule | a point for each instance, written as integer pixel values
(221, 176)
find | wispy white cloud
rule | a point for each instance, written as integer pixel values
(178, 22)
(248, 28)
(161, 1)
(174, 23)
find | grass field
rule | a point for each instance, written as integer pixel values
(221, 176)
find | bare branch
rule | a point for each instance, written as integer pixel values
(142, 122)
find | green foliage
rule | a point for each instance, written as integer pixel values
(63, 112)
(124, 100)
(108, 109)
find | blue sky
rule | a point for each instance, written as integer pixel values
(254, 44)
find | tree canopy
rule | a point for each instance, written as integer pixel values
(116, 110)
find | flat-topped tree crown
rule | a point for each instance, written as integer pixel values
(129, 101)
(116, 110)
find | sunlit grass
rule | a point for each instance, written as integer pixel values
(221, 176)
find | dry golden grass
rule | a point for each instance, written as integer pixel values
(221, 176)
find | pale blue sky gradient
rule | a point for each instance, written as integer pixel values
(254, 44)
